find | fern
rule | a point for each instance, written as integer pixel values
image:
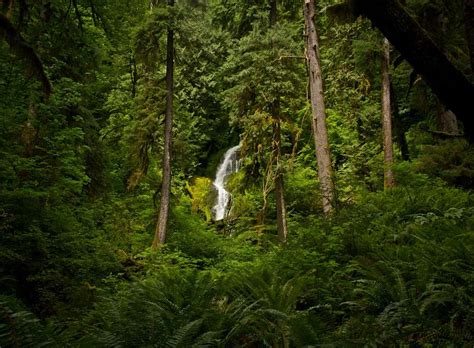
(185, 335)
(20, 329)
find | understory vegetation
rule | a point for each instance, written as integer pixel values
(392, 267)
(81, 178)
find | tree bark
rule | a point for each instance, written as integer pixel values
(282, 225)
(414, 43)
(389, 181)
(133, 74)
(161, 226)
(20, 47)
(318, 123)
(273, 12)
(469, 29)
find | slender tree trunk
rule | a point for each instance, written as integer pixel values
(282, 226)
(318, 123)
(400, 134)
(389, 181)
(160, 231)
(469, 29)
(273, 12)
(133, 74)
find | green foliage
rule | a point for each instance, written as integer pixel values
(453, 161)
(80, 173)
(301, 180)
(158, 310)
(394, 268)
(19, 328)
(202, 196)
(189, 235)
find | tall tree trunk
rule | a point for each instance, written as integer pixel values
(389, 181)
(318, 123)
(416, 46)
(133, 74)
(282, 226)
(160, 231)
(469, 29)
(273, 12)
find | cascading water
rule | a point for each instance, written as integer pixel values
(229, 165)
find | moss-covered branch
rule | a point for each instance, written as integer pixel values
(21, 48)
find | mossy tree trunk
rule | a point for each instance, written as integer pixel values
(318, 120)
(282, 225)
(389, 180)
(161, 226)
(469, 29)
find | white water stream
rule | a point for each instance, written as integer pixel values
(229, 165)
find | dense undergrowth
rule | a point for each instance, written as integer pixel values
(80, 172)
(392, 268)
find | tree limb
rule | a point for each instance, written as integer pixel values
(21, 48)
(413, 42)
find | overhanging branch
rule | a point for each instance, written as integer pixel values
(21, 48)
(413, 42)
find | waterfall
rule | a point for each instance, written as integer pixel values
(229, 165)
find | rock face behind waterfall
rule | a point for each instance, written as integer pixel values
(229, 165)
